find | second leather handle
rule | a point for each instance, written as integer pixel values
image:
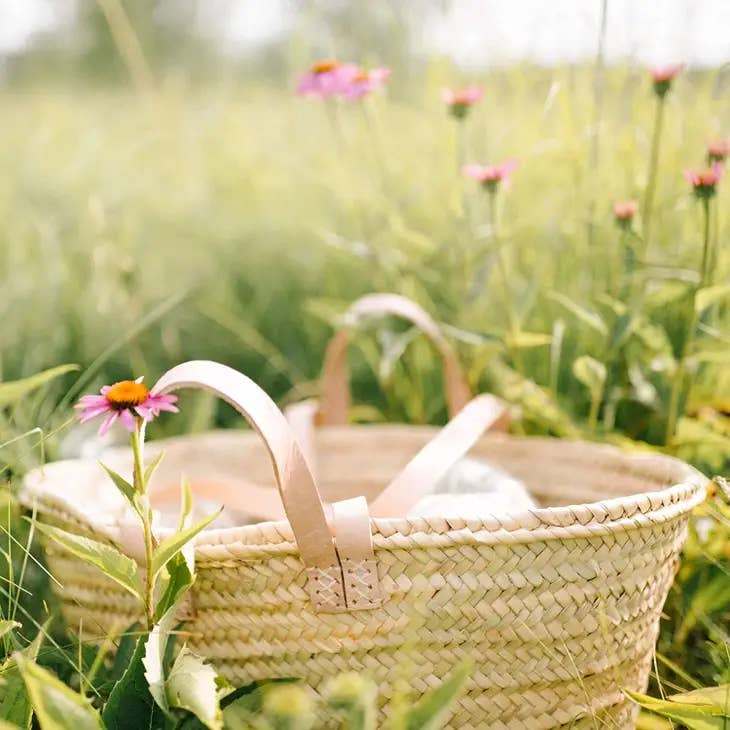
(335, 400)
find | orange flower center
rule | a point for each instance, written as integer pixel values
(322, 67)
(126, 394)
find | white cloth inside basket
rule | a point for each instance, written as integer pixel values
(473, 488)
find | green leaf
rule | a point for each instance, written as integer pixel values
(7, 626)
(592, 319)
(718, 696)
(56, 706)
(122, 485)
(172, 545)
(152, 466)
(192, 686)
(179, 578)
(14, 700)
(694, 717)
(711, 295)
(108, 559)
(130, 705)
(14, 390)
(591, 373)
(125, 651)
(186, 504)
(433, 709)
(155, 652)
(523, 340)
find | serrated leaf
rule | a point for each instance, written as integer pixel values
(694, 717)
(591, 373)
(14, 390)
(592, 319)
(125, 651)
(431, 711)
(108, 559)
(523, 340)
(710, 295)
(192, 686)
(172, 545)
(130, 705)
(56, 706)
(155, 651)
(7, 626)
(126, 489)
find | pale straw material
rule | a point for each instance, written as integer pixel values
(558, 607)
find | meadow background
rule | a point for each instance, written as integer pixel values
(164, 199)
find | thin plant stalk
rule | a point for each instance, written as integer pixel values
(680, 372)
(648, 207)
(502, 267)
(145, 513)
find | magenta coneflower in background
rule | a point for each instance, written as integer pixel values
(364, 82)
(624, 212)
(662, 76)
(460, 101)
(718, 150)
(704, 182)
(125, 401)
(491, 175)
(326, 78)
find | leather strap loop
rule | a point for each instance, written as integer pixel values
(299, 494)
(451, 443)
(335, 401)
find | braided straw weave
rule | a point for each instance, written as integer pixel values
(559, 606)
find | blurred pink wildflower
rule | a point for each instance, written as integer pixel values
(490, 176)
(326, 78)
(624, 212)
(704, 182)
(718, 150)
(662, 77)
(460, 101)
(363, 82)
(126, 401)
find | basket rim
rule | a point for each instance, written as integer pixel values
(573, 520)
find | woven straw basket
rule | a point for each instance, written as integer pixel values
(559, 606)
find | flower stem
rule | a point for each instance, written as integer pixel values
(502, 266)
(145, 513)
(681, 370)
(651, 179)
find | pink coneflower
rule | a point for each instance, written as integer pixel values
(662, 77)
(364, 82)
(326, 78)
(718, 150)
(460, 101)
(704, 182)
(127, 400)
(490, 176)
(625, 210)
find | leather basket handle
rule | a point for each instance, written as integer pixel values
(299, 495)
(335, 399)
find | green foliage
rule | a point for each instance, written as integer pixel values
(108, 559)
(130, 705)
(173, 544)
(703, 709)
(55, 705)
(192, 685)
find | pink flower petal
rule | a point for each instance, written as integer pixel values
(92, 413)
(127, 419)
(107, 422)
